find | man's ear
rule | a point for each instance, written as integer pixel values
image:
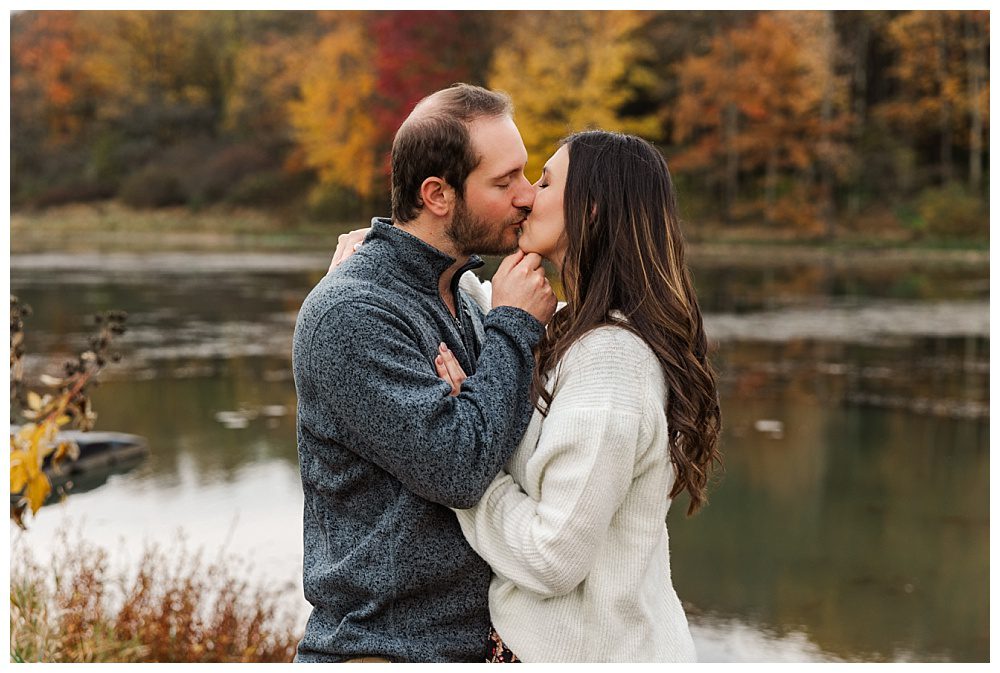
(438, 196)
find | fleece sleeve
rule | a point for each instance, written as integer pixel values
(378, 393)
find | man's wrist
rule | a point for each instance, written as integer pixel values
(516, 321)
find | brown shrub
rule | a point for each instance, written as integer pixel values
(167, 612)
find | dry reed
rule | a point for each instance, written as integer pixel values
(76, 610)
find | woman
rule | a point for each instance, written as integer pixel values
(627, 418)
(626, 413)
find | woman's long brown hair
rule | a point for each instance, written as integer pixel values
(626, 252)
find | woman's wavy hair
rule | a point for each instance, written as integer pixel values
(626, 252)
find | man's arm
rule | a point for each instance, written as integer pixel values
(379, 395)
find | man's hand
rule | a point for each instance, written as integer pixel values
(347, 245)
(520, 282)
(449, 369)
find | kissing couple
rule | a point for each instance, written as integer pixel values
(486, 477)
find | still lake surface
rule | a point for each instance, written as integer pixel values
(851, 522)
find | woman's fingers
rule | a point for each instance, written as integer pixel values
(455, 369)
(442, 371)
(532, 260)
(347, 245)
(509, 262)
(455, 374)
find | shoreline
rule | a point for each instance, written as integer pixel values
(110, 228)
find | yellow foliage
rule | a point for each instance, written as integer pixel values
(572, 71)
(265, 79)
(332, 119)
(37, 491)
(935, 55)
(19, 461)
(29, 447)
(38, 439)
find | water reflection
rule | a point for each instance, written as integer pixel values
(946, 377)
(851, 523)
(856, 526)
(178, 417)
(769, 281)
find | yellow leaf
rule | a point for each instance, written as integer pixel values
(18, 471)
(65, 450)
(34, 401)
(38, 490)
(24, 438)
(63, 420)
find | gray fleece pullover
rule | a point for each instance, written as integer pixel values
(384, 451)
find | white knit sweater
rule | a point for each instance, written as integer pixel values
(575, 527)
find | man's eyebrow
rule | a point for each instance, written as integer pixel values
(512, 173)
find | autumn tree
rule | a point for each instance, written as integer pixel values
(762, 117)
(267, 66)
(417, 53)
(571, 71)
(363, 78)
(941, 69)
(46, 78)
(332, 119)
(53, 106)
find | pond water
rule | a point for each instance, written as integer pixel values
(851, 522)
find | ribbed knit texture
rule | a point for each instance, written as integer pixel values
(574, 528)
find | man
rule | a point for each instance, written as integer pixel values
(384, 449)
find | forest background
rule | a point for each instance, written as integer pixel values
(832, 171)
(844, 126)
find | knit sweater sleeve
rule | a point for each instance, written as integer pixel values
(581, 469)
(370, 387)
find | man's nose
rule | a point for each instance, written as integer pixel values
(524, 197)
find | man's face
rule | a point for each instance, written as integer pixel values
(497, 194)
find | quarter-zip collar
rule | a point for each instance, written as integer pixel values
(422, 264)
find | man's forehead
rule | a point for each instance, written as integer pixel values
(498, 144)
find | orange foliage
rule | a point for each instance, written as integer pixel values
(765, 102)
(46, 72)
(936, 52)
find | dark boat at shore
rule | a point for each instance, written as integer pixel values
(102, 454)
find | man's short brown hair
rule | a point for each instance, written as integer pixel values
(436, 143)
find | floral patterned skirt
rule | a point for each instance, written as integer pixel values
(497, 652)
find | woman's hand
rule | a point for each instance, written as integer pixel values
(347, 245)
(449, 369)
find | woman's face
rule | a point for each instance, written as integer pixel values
(544, 230)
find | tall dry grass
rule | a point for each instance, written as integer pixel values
(180, 610)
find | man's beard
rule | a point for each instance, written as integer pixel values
(475, 236)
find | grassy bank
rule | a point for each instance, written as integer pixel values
(112, 227)
(167, 610)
